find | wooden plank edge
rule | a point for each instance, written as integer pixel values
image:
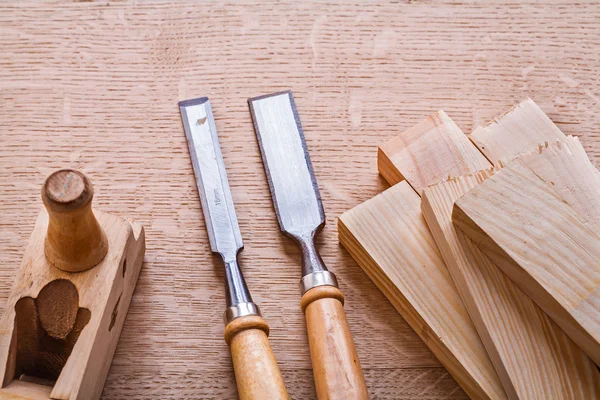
(549, 364)
(433, 340)
(557, 307)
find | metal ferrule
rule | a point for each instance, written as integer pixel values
(314, 271)
(318, 278)
(239, 301)
(240, 310)
(235, 286)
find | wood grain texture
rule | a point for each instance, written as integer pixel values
(76, 357)
(74, 241)
(533, 356)
(437, 148)
(517, 131)
(257, 374)
(520, 338)
(336, 367)
(95, 86)
(532, 233)
(424, 154)
(566, 166)
(430, 151)
(389, 239)
(18, 390)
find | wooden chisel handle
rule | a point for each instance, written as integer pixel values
(336, 368)
(256, 371)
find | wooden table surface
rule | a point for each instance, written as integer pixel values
(95, 86)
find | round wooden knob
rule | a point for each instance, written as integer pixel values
(74, 242)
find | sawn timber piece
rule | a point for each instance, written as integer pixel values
(389, 239)
(411, 156)
(515, 132)
(533, 356)
(531, 232)
(547, 364)
(430, 151)
(103, 294)
(566, 166)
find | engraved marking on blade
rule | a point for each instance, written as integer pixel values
(211, 179)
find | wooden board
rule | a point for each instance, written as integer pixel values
(95, 85)
(571, 174)
(433, 149)
(532, 233)
(437, 148)
(534, 358)
(518, 130)
(389, 239)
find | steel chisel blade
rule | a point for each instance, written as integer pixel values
(211, 177)
(299, 210)
(287, 164)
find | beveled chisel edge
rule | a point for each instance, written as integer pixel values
(193, 102)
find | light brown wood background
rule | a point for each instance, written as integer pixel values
(95, 86)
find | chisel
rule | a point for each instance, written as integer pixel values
(246, 332)
(299, 210)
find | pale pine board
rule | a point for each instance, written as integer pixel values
(433, 149)
(532, 233)
(95, 86)
(534, 358)
(566, 166)
(427, 153)
(436, 148)
(389, 239)
(519, 337)
(517, 131)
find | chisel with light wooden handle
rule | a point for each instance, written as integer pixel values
(300, 214)
(256, 372)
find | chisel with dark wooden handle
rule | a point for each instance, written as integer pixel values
(256, 371)
(299, 210)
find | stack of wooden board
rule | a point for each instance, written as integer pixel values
(490, 249)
